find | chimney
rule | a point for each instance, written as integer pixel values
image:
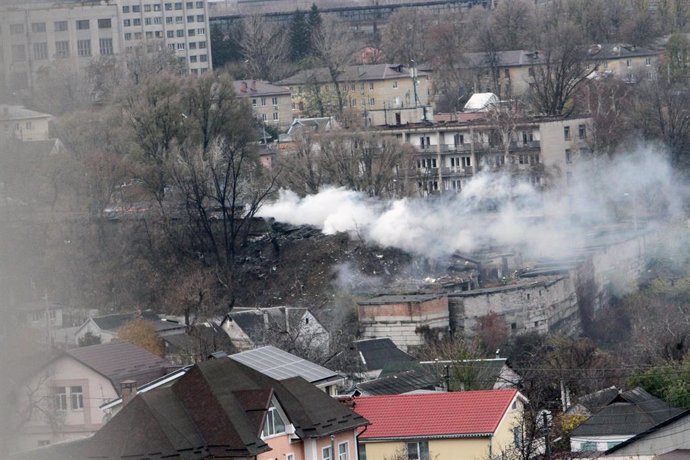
(128, 390)
(243, 87)
(253, 85)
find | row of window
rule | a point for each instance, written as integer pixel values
(264, 117)
(61, 26)
(581, 132)
(180, 33)
(274, 101)
(40, 50)
(68, 398)
(159, 20)
(148, 7)
(343, 452)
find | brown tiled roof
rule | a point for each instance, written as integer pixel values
(119, 361)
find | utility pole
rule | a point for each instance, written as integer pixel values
(547, 445)
(446, 369)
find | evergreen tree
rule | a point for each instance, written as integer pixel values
(299, 37)
(314, 23)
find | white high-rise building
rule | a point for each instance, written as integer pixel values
(34, 33)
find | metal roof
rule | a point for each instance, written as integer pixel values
(281, 365)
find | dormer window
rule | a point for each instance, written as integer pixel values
(274, 423)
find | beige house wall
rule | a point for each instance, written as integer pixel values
(27, 129)
(38, 396)
(267, 110)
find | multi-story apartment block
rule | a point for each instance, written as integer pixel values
(270, 103)
(377, 94)
(449, 154)
(181, 25)
(34, 34)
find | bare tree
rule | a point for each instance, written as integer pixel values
(264, 46)
(404, 37)
(514, 22)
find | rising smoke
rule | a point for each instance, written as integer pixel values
(638, 187)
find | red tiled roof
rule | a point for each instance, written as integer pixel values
(434, 414)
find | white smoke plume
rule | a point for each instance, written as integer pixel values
(493, 210)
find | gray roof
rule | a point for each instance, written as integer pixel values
(630, 413)
(379, 353)
(389, 299)
(403, 382)
(119, 361)
(606, 51)
(258, 88)
(114, 322)
(280, 365)
(18, 112)
(351, 73)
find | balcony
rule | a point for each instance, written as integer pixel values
(456, 148)
(457, 171)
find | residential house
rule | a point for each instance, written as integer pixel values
(405, 382)
(630, 413)
(24, 124)
(475, 374)
(408, 320)
(375, 94)
(623, 61)
(223, 409)
(469, 425)
(279, 364)
(668, 440)
(61, 400)
(270, 103)
(196, 343)
(373, 355)
(107, 326)
(294, 327)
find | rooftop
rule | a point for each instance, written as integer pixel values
(387, 299)
(378, 353)
(18, 112)
(251, 88)
(457, 414)
(351, 73)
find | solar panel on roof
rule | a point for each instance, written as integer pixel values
(281, 365)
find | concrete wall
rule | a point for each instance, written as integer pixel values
(404, 323)
(545, 304)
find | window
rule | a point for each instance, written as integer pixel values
(179, 33)
(628, 63)
(326, 453)
(83, 24)
(263, 117)
(62, 49)
(190, 18)
(127, 22)
(274, 100)
(418, 450)
(372, 101)
(38, 27)
(159, 34)
(18, 53)
(169, 20)
(263, 101)
(125, 8)
(200, 31)
(426, 163)
(275, 116)
(60, 398)
(179, 19)
(566, 133)
(190, 5)
(178, 6)
(136, 21)
(517, 436)
(180, 46)
(148, 21)
(16, 29)
(76, 398)
(648, 60)
(84, 48)
(168, 7)
(588, 446)
(395, 84)
(192, 45)
(105, 24)
(582, 131)
(530, 72)
(343, 451)
(136, 8)
(158, 20)
(128, 36)
(41, 51)
(60, 26)
(200, 18)
(147, 8)
(105, 46)
(274, 423)
(202, 45)
(190, 33)
(199, 4)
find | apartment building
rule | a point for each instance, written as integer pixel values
(270, 103)
(376, 94)
(449, 153)
(34, 34)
